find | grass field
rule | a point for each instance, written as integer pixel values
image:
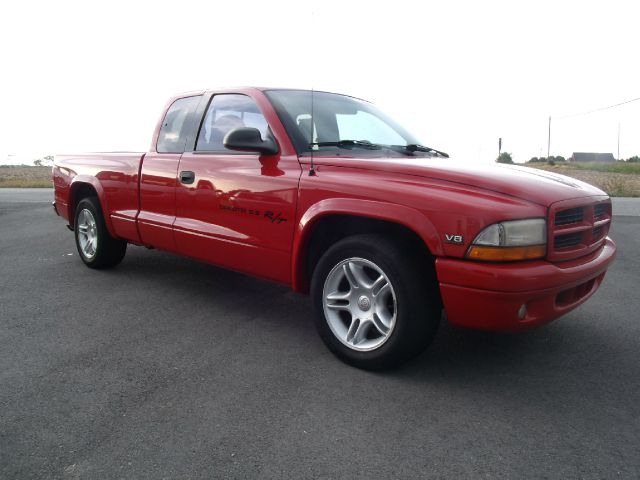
(25, 176)
(616, 167)
(618, 179)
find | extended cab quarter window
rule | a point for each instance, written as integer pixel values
(173, 131)
(226, 112)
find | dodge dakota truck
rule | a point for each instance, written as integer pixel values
(328, 195)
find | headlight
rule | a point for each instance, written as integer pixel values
(510, 241)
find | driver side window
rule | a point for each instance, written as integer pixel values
(226, 112)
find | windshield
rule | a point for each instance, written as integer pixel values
(338, 122)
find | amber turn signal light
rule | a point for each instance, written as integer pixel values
(506, 254)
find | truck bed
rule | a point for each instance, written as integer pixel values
(113, 173)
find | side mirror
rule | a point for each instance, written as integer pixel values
(249, 140)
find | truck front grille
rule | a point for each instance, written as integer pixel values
(597, 232)
(600, 211)
(578, 227)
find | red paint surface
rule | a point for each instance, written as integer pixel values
(256, 215)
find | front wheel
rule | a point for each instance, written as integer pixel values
(96, 247)
(375, 304)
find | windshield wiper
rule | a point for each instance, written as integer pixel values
(414, 147)
(348, 144)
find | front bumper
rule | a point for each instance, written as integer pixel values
(491, 296)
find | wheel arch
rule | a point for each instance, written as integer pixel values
(333, 219)
(83, 187)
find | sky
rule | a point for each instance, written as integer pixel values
(94, 76)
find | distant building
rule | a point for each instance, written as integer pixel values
(592, 157)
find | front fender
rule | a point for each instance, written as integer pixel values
(391, 212)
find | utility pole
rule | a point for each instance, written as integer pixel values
(618, 140)
(499, 146)
(549, 140)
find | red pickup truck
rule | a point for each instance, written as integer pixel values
(325, 193)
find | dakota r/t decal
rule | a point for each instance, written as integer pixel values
(273, 217)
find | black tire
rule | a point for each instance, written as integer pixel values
(109, 251)
(416, 302)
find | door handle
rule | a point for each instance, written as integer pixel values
(187, 177)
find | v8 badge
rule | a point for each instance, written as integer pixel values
(457, 239)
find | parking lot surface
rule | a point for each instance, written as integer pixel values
(168, 368)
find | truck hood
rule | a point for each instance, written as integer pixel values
(531, 184)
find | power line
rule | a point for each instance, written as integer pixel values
(598, 109)
(587, 113)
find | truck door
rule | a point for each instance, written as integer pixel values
(237, 209)
(158, 174)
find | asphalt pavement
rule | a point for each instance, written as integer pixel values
(168, 368)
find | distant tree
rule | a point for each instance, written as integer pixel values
(534, 160)
(551, 161)
(634, 159)
(45, 161)
(559, 158)
(504, 158)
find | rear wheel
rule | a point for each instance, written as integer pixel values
(375, 305)
(96, 247)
